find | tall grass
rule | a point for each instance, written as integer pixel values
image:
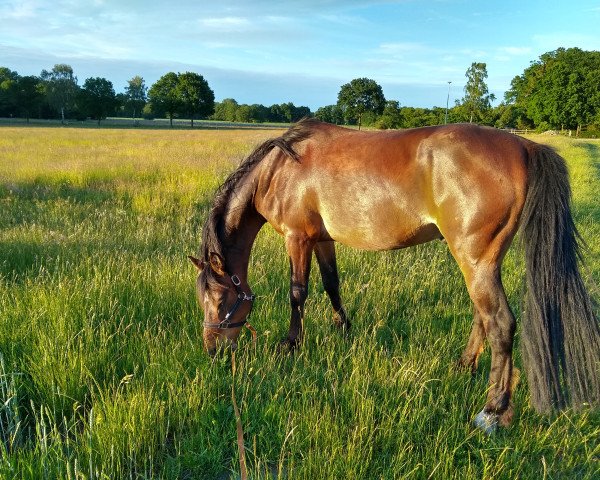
(102, 373)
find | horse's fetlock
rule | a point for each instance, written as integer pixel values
(498, 404)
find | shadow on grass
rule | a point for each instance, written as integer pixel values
(20, 259)
(46, 191)
(44, 240)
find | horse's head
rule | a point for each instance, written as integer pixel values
(224, 300)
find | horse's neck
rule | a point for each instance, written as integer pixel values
(242, 224)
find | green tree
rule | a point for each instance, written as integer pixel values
(97, 98)
(259, 113)
(195, 96)
(61, 88)
(287, 111)
(331, 114)
(277, 113)
(421, 117)
(477, 99)
(560, 90)
(391, 116)
(135, 95)
(29, 95)
(8, 82)
(300, 112)
(225, 110)
(359, 96)
(243, 114)
(164, 96)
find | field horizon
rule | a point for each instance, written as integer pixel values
(102, 371)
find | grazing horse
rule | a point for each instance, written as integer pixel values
(472, 186)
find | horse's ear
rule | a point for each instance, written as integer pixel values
(217, 263)
(199, 264)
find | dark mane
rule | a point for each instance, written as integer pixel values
(213, 228)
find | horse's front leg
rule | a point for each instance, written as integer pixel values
(299, 248)
(325, 253)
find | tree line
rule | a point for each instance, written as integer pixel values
(231, 111)
(561, 90)
(56, 93)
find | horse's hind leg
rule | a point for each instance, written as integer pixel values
(325, 253)
(487, 293)
(474, 346)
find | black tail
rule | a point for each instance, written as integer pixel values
(561, 336)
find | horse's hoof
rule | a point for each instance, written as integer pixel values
(341, 321)
(486, 421)
(288, 345)
(343, 326)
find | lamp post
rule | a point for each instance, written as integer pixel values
(447, 102)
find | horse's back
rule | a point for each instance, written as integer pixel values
(385, 190)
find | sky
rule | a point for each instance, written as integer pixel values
(303, 51)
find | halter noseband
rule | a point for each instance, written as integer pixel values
(241, 297)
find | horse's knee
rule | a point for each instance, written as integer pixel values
(298, 294)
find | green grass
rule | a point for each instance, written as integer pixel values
(102, 373)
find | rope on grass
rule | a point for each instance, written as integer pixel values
(238, 418)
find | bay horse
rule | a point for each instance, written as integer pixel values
(473, 186)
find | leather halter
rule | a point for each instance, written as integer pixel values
(241, 297)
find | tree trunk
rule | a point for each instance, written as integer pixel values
(171, 120)
(192, 121)
(359, 121)
(62, 115)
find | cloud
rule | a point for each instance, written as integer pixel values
(353, 21)
(514, 50)
(225, 23)
(17, 10)
(402, 48)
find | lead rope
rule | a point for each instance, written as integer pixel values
(238, 421)
(238, 418)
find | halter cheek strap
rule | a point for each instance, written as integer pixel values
(241, 297)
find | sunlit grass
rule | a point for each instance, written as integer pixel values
(102, 370)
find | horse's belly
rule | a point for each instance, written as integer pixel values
(379, 229)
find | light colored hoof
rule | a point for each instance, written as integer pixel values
(487, 422)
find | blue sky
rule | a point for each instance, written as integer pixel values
(302, 51)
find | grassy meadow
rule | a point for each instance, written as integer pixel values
(102, 372)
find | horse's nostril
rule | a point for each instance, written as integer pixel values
(212, 352)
